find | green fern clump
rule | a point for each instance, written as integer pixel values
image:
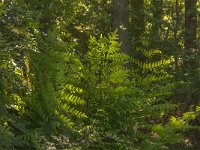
(38, 78)
(152, 87)
(106, 91)
(13, 126)
(154, 81)
(120, 101)
(53, 96)
(175, 132)
(9, 85)
(7, 137)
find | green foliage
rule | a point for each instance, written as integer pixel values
(174, 131)
(53, 95)
(105, 84)
(6, 137)
(121, 102)
(38, 89)
(63, 85)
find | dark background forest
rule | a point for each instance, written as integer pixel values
(99, 74)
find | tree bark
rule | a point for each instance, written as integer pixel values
(137, 21)
(190, 57)
(157, 22)
(157, 13)
(120, 22)
(190, 24)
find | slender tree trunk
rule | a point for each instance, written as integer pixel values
(137, 21)
(190, 60)
(157, 15)
(190, 24)
(190, 57)
(177, 50)
(176, 29)
(120, 22)
(157, 22)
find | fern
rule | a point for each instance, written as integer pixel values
(106, 91)
(53, 92)
(6, 137)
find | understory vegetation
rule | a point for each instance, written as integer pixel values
(72, 77)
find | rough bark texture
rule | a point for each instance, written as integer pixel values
(120, 22)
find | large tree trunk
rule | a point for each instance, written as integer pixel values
(120, 22)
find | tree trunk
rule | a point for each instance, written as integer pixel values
(190, 57)
(120, 22)
(137, 21)
(190, 53)
(157, 22)
(157, 15)
(190, 24)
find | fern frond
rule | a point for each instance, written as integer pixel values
(6, 137)
(74, 99)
